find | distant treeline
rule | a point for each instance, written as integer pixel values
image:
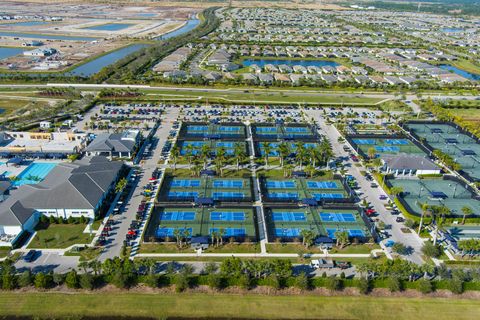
(467, 7)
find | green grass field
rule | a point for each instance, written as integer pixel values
(60, 236)
(245, 306)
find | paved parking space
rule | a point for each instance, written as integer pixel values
(49, 261)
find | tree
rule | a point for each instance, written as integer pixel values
(25, 279)
(267, 149)
(425, 211)
(283, 152)
(342, 238)
(86, 281)
(333, 283)
(424, 286)
(239, 154)
(121, 184)
(215, 281)
(364, 285)
(307, 237)
(455, 285)
(41, 281)
(467, 211)
(431, 251)
(399, 248)
(72, 280)
(395, 191)
(175, 153)
(394, 284)
(371, 153)
(302, 281)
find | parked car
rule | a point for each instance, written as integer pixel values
(31, 255)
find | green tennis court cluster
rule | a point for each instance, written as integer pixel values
(447, 138)
(384, 145)
(214, 189)
(287, 223)
(451, 194)
(298, 189)
(236, 223)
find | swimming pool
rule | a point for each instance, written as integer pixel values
(34, 173)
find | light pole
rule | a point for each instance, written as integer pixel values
(420, 192)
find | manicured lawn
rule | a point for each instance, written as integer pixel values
(290, 248)
(163, 248)
(60, 236)
(235, 248)
(86, 254)
(247, 306)
(4, 252)
(356, 248)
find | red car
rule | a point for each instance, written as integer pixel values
(369, 212)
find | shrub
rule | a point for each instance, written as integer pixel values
(424, 286)
(409, 223)
(302, 281)
(455, 285)
(52, 219)
(41, 281)
(151, 280)
(119, 280)
(71, 280)
(86, 281)
(215, 281)
(430, 250)
(394, 284)
(333, 283)
(25, 279)
(8, 281)
(58, 278)
(364, 285)
(400, 248)
(181, 282)
(273, 281)
(244, 281)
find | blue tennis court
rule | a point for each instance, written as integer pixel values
(227, 216)
(182, 194)
(275, 184)
(169, 232)
(337, 217)
(266, 129)
(225, 144)
(186, 183)
(197, 128)
(351, 232)
(396, 141)
(283, 195)
(320, 196)
(177, 216)
(288, 216)
(322, 185)
(387, 149)
(287, 232)
(230, 232)
(229, 129)
(364, 141)
(227, 195)
(227, 183)
(296, 129)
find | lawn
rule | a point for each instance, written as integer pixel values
(163, 248)
(226, 248)
(248, 306)
(235, 248)
(356, 248)
(4, 252)
(86, 254)
(59, 236)
(290, 248)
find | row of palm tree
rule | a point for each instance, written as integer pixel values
(301, 154)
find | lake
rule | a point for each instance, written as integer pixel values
(451, 30)
(44, 36)
(24, 23)
(110, 26)
(460, 72)
(92, 67)
(9, 52)
(289, 62)
(189, 26)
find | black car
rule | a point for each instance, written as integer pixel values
(31, 255)
(399, 219)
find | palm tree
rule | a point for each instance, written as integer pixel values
(218, 163)
(189, 151)
(175, 152)
(466, 212)
(371, 153)
(307, 237)
(186, 234)
(267, 149)
(239, 154)
(177, 233)
(205, 154)
(425, 211)
(301, 154)
(283, 152)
